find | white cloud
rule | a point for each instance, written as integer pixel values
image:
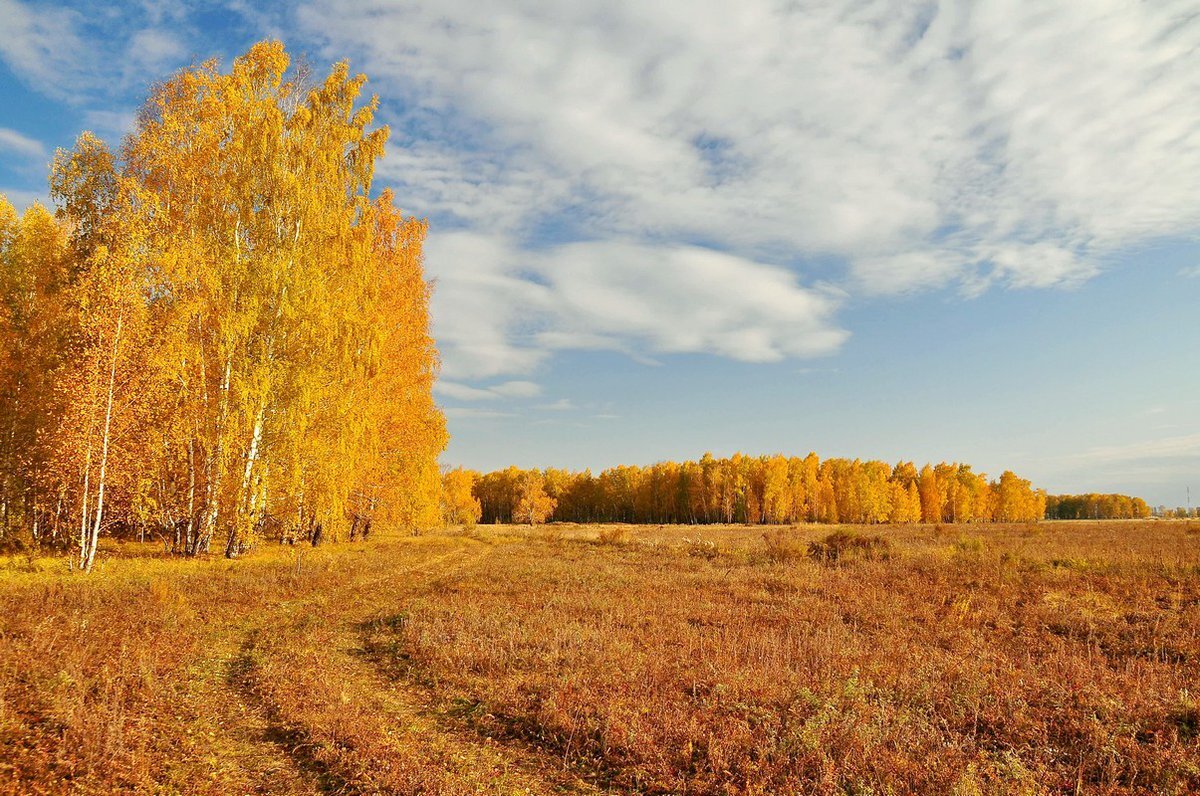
(481, 306)
(1006, 143)
(499, 309)
(94, 55)
(684, 299)
(1192, 272)
(19, 144)
(112, 125)
(462, 392)
(21, 199)
(154, 49)
(1181, 446)
(658, 178)
(508, 389)
(470, 413)
(517, 389)
(42, 45)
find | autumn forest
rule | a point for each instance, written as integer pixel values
(220, 336)
(233, 558)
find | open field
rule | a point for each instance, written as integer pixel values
(1048, 658)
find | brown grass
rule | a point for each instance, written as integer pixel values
(1057, 658)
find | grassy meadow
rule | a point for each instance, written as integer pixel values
(1048, 658)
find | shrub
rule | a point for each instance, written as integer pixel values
(551, 534)
(843, 545)
(702, 548)
(969, 544)
(782, 546)
(613, 535)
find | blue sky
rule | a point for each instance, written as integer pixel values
(960, 231)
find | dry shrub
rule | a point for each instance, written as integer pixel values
(844, 545)
(613, 535)
(468, 530)
(702, 548)
(551, 534)
(969, 545)
(782, 546)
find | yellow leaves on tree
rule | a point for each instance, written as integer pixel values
(250, 339)
(534, 506)
(764, 489)
(459, 504)
(35, 266)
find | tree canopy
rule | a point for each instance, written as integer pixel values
(221, 333)
(764, 489)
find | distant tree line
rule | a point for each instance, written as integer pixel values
(220, 335)
(1177, 513)
(1096, 507)
(763, 489)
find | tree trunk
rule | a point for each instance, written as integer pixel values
(215, 467)
(239, 530)
(190, 528)
(112, 382)
(83, 509)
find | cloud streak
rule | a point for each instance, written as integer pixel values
(1184, 446)
(499, 308)
(918, 145)
(687, 177)
(20, 145)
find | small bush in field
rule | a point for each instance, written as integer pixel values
(843, 545)
(613, 535)
(470, 530)
(551, 534)
(783, 546)
(969, 544)
(702, 548)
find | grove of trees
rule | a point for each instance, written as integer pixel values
(1096, 507)
(765, 489)
(459, 504)
(219, 335)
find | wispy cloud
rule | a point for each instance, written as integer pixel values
(508, 389)
(1154, 467)
(19, 144)
(92, 55)
(1192, 272)
(21, 199)
(471, 413)
(499, 309)
(43, 46)
(1002, 143)
(658, 178)
(1175, 447)
(110, 124)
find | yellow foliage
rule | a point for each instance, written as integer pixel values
(247, 331)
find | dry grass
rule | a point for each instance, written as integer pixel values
(1056, 658)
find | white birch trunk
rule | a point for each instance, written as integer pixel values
(112, 382)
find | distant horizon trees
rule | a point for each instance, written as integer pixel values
(1094, 506)
(459, 504)
(219, 335)
(763, 490)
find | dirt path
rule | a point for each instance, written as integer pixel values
(300, 707)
